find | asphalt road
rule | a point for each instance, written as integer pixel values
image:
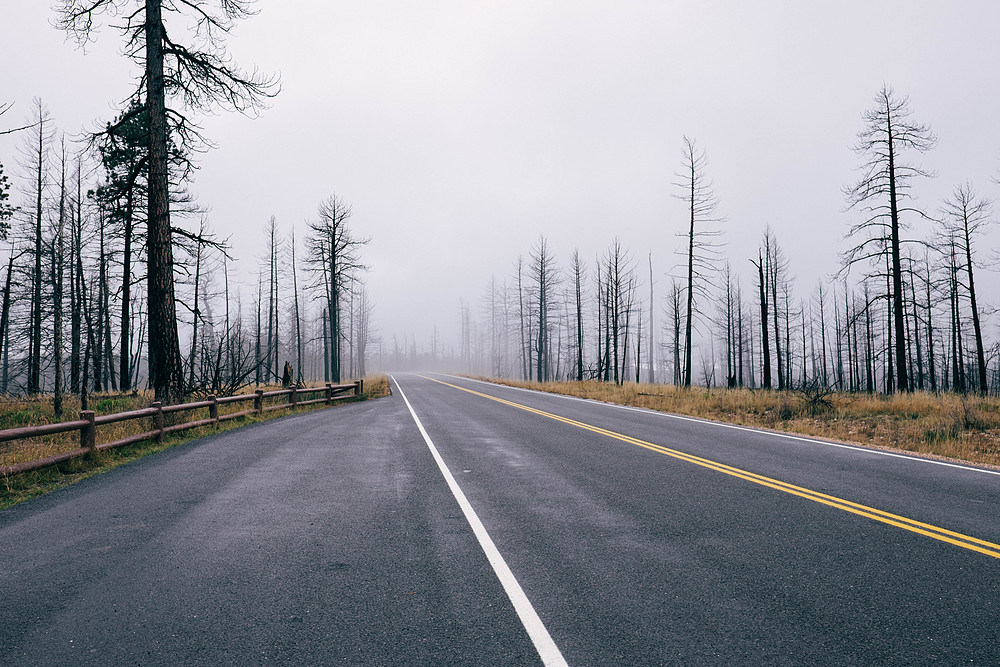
(499, 531)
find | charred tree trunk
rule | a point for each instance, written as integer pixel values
(651, 376)
(326, 348)
(109, 354)
(902, 381)
(869, 346)
(689, 313)
(76, 264)
(57, 294)
(976, 327)
(822, 336)
(852, 377)
(957, 348)
(5, 323)
(258, 360)
(916, 337)
(766, 351)
(777, 328)
(890, 376)
(35, 332)
(165, 371)
(124, 365)
(838, 336)
(577, 274)
(195, 317)
(930, 332)
(298, 319)
(525, 356)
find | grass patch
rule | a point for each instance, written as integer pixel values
(35, 411)
(966, 428)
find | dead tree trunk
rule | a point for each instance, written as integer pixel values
(35, 331)
(75, 262)
(57, 293)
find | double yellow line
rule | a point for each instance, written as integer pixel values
(919, 527)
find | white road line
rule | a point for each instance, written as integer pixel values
(540, 637)
(749, 429)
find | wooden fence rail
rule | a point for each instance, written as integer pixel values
(88, 422)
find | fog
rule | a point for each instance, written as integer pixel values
(460, 132)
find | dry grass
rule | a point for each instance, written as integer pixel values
(946, 425)
(35, 411)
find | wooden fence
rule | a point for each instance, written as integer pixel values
(88, 422)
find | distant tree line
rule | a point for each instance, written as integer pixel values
(901, 314)
(75, 319)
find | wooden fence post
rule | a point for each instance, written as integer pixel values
(88, 434)
(357, 387)
(329, 393)
(158, 420)
(213, 409)
(258, 401)
(295, 398)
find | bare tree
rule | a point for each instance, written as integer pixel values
(727, 321)
(271, 364)
(676, 317)
(546, 277)
(58, 272)
(334, 257)
(123, 151)
(35, 151)
(957, 346)
(762, 296)
(966, 216)
(298, 317)
(201, 76)
(75, 299)
(927, 283)
(578, 269)
(777, 276)
(651, 377)
(363, 332)
(524, 320)
(197, 314)
(820, 299)
(603, 337)
(879, 193)
(491, 307)
(258, 359)
(619, 293)
(702, 249)
(773, 282)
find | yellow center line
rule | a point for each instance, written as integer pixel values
(912, 525)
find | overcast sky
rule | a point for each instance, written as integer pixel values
(460, 130)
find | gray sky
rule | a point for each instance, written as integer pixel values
(459, 131)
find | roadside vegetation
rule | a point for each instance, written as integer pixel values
(956, 426)
(17, 412)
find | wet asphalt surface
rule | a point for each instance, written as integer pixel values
(332, 538)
